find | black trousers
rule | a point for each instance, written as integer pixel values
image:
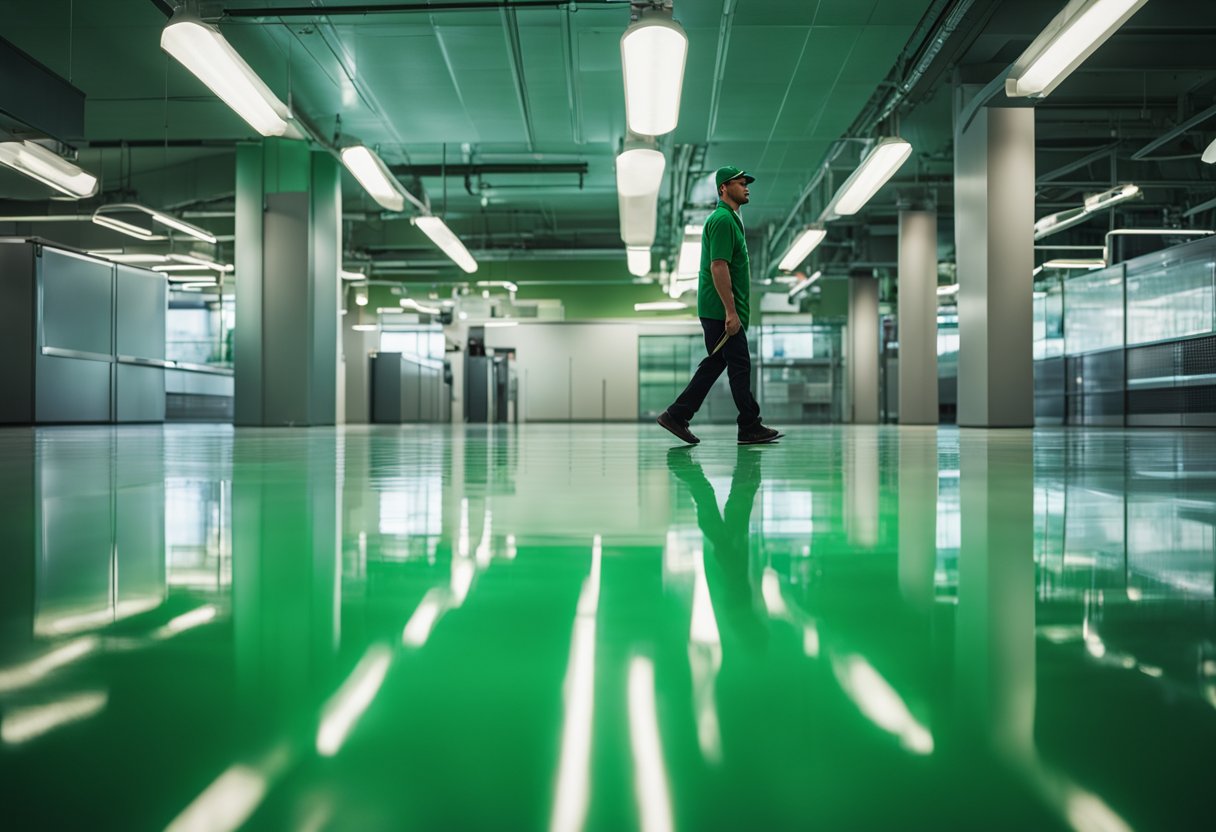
(736, 360)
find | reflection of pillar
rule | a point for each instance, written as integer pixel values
(862, 370)
(139, 515)
(861, 483)
(289, 237)
(995, 626)
(286, 581)
(17, 529)
(994, 238)
(917, 515)
(917, 318)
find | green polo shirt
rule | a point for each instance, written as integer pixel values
(723, 239)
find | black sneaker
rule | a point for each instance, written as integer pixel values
(758, 434)
(668, 421)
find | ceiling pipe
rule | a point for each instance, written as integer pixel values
(407, 8)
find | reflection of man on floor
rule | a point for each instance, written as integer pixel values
(726, 560)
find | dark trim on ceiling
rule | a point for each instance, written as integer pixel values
(425, 8)
(166, 8)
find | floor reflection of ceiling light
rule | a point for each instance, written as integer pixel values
(20, 725)
(351, 701)
(28, 673)
(649, 772)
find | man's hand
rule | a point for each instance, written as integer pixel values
(733, 325)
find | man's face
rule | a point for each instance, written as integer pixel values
(736, 189)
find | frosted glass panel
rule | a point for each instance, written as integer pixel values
(1171, 301)
(1093, 311)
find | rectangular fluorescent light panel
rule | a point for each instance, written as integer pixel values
(801, 249)
(879, 165)
(375, 177)
(36, 162)
(206, 53)
(638, 259)
(653, 54)
(1071, 37)
(442, 236)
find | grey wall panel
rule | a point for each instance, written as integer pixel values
(139, 394)
(72, 390)
(77, 302)
(285, 341)
(142, 298)
(17, 334)
(326, 244)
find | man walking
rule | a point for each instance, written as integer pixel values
(723, 296)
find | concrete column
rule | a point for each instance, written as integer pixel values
(918, 318)
(862, 370)
(288, 245)
(994, 240)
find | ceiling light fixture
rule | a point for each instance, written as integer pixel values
(49, 168)
(1071, 37)
(638, 259)
(639, 171)
(803, 285)
(410, 303)
(503, 284)
(879, 165)
(206, 53)
(659, 306)
(442, 236)
(346, 274)
(137, 221)
(365, 327)
(653, 52)
(950, 289)
(1209, 155)
(375, 177)
(501, 323)
(1075, 263)
(1061, 220)
(801, 248)
(361, 298)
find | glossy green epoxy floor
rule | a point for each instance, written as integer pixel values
(579, 627)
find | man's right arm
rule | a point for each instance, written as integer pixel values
(721, 274)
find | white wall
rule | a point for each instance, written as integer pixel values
(584, 371)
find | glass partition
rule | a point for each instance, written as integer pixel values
(1171, 300)
(1093, 318)
(198, 328)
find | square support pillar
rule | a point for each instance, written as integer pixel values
(994, 241)
(288, 246)
(918, 318)
(862, 369)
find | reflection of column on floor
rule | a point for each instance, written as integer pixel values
(286, 582)
(17, 525)
(995, 628)
(861, 487)
(917, 515)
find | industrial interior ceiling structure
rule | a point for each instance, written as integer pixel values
(505, 119)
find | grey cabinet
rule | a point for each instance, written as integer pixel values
(84, 339)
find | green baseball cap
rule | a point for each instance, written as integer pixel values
(725, 174)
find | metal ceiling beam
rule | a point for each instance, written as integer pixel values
(1084, 161)
(407, 8)
(516, 60)
(1200, 208)
(1170, 135)
(481, 168)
